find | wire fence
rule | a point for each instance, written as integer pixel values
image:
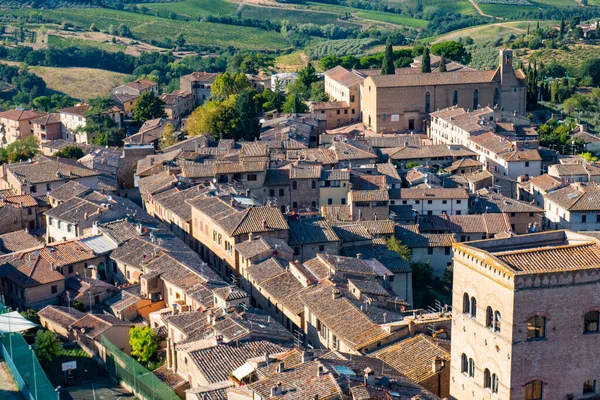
(142, 380)
(25, 367)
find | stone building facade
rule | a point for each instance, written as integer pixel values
(402, 102)
(520, 311)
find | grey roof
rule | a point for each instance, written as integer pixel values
(310, 230)
(49, 169)
(260, 244)
(68, 190)
(218, 362)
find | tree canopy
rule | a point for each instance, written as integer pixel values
(47, 345)
(70, 151)
(148, 106)
(169, 137)
(228, 84)
(453, 50)
(143, 343)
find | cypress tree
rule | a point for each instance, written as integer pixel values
(443, 64)
(387, 67)
(562, 28)
(528, 29)
(426, 61)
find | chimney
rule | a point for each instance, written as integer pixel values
(85, 216)
(265, 226)
(369, 376)
(281, 367)
(267, 358)
(276, 390)
(359, 255)
(219, 339)
(232, 201)
(307, 356)
(335, 293)
(250, 236)
(209, 317)
(320, 370)
(174, 308)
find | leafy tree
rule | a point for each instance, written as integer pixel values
(47, 345)
(591, 68)
(19, 150)
(43, 103)
(70, 151)
(247, 105)
(180, 41)
(588, 156)
(317, 92)
(125, 31)
(453, 50)
(426, 61)
(307, 76)
(394, 244)
(273, 99)
(169, 137)
(411, 164)
(294, 104)
(143, 343)
(31, 315)
(388, 61)
(148, 106)
(109, 137)
(216, 118)
(228, 84)
(422, 273)
(577, 102)
(79, 306)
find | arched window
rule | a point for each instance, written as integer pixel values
(497, 318)
(314, 184)
(590, 322)
(534, 390)
(466, 304)
(272, 192)
(281, 192)
(455, 98)
(496, 98)
(427, 103)
(464, 363)
(487, 379)
(489, 317)
(294, 185)
(494, 383)
(475, 99)
(473, 307)
(536, 327)
(471, 367)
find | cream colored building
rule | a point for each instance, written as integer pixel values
(16, 124)
(525, 320)
(334, 187)
(344, 86)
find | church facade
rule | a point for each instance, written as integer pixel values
(402, 102)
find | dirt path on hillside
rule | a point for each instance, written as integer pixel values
(480, 11)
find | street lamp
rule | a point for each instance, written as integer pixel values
(91, 268)
(34, 375)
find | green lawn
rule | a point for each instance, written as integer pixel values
(392, 18)
(195, 8)
(458, 6)
(87, 369)
(150, 28)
